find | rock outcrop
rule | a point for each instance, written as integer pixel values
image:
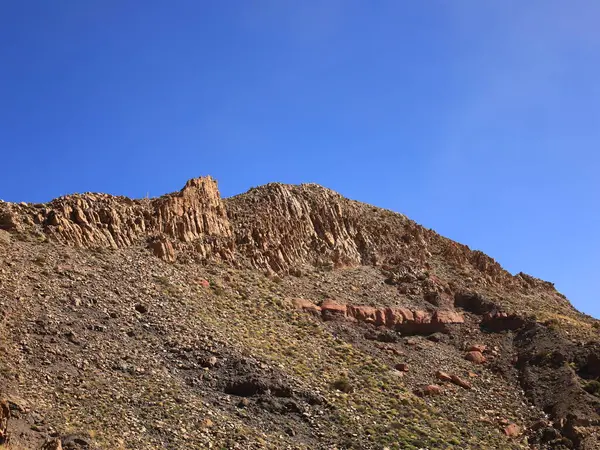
(193, 218)
(404, 320)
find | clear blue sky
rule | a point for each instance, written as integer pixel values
(480, 120)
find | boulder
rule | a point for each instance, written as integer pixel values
(443, 376)
(431, 390)
(476, 357)
(402, 367)
(512, 430)
(460, 382)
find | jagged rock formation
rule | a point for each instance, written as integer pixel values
(194, 216)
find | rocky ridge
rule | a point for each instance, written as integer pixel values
(194, 217)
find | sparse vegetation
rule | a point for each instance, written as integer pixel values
(593, 387)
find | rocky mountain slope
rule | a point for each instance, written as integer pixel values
(285, 317)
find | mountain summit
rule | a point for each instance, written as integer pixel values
(285, 317)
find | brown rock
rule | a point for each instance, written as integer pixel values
(402, 367)
(422, 317)
(4, 237)
(365, 314)
(330, 309)
(476, 357)
(163, 248)
(206, 423)
(432, 390)
(443, 376)
(460, 382)
(501, 321)
(512, 430)
(141, 308)
(392, 317)
(447, 317)
(406, 314)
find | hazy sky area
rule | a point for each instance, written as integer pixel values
(480, 120)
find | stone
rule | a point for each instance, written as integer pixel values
(5, 238)
(512, 430)
(402, 367)
(460, 382)
(447, 317)
(163, 248)
(206, 423)
(443, 376)
(366, 314)
(332, 310)
(431, 390)
(476, 357)
(438, 337)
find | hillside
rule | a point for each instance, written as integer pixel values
(285, 317)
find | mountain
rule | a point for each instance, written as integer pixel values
(288, 317)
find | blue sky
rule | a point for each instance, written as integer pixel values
(480, 120)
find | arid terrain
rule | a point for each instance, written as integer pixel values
(287, 317)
